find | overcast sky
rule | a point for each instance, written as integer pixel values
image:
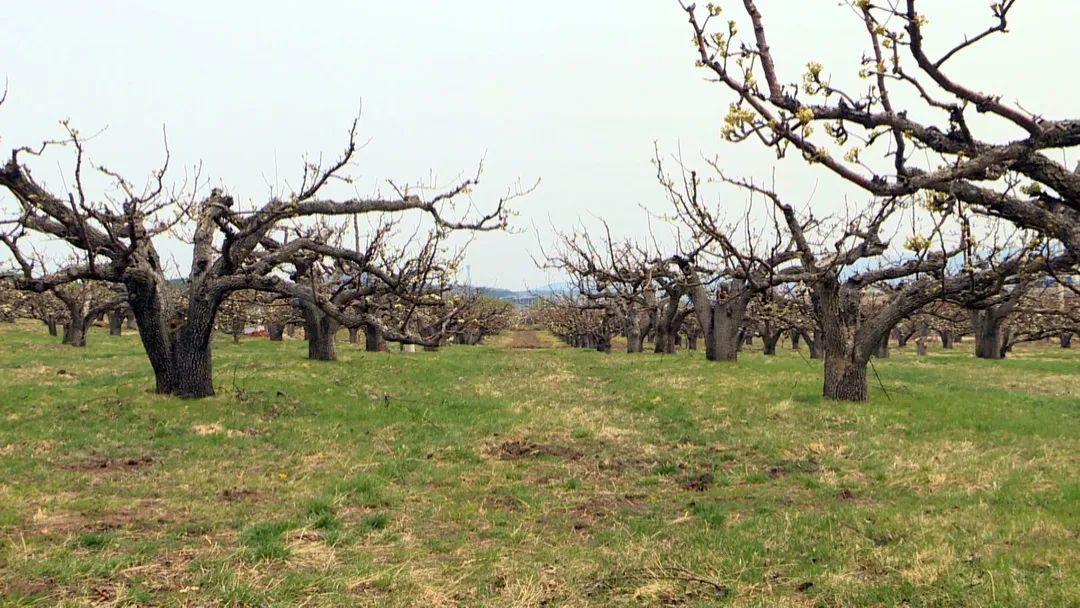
(574, 93)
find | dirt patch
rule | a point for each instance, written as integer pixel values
(776, 472)
(239, 494)
(112, 464)
(518, 450)
(603, 506)
(699, 482)
(526, 339)
(845, 494)
(33, 588)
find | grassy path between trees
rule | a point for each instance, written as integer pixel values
(518, 474)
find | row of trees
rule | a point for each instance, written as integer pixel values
(985, 227)
(303, 254)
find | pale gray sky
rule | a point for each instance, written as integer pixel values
(572, 92)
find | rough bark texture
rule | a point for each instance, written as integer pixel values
(354, 335)
(319, 329)
(988, 327)
(116, 323)
(770, 338)
(882, 349)
(634, 336)
(923, 335)
(1065, 339)
(373, 339)
(846, 355)
(727, 319)
(794, 336)
(75, 332)
(275, 331)
(946, 338)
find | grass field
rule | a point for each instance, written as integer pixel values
(505, 476)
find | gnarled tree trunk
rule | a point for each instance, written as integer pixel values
(75, 332)
(319, 329)
(989, 329)
(275, 331)
(946, 338)
(373, 339)
(1065, 339)
(846, 355)
(116, 322)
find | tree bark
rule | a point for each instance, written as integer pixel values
(354, 335)
(1065, 339)
(116, 323)
(50, 322)
(603, 344)
(946, 338)
(691, 340)
(191, 365)
(275, 331)
(320, 330)
(770, 339)
(881, 351)
(924, 333)
(727, 320)
(988, 327)
(149, 305)
(373, 339)
(845, 377)
(634, 336)
(794, 336)
(847, 343)
(75, 332)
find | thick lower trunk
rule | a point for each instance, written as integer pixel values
(665, 342)
(902, 340)
(813, 343)
(149, 306)
(275, 331)
(50, 323)
(845, 377)
(320, 336)
(989, 334)
(129, 321)
(192, 369)
(923, 336)
(794, 336)
(75, 333)
(634, 338)
(882, 349)
(946, 338)
(727, 320)
(770, 340)
(603, 344)
(354, 335)
(691, 341)
(116, 323)
(373, 339)
(290, 330)
(1065, 339)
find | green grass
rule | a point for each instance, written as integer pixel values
(499, 476)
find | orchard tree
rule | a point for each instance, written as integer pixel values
(234, 246)
(906, 131)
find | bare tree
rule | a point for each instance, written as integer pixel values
(232, 248)
(887, 150)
